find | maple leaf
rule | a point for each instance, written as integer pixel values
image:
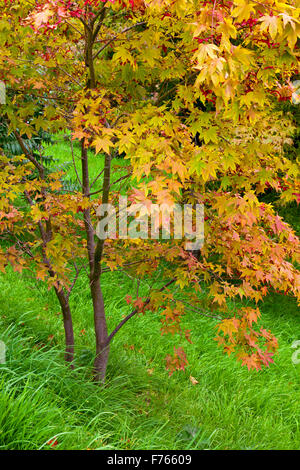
(278, 225)
(37, 214)
(103, 143)
(55, 185)
(243, 10)
(227, 28)
(52, 442)
(204, 51)
(251, 362)
(193, 380)
(252, 315)
(41, 274)
(78, 134)
(139, 303)
(272, 24)
(43, 16)
(39, 85)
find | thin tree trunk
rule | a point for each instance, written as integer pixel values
(95, 256)
(68, 326)
(95, 250)
(102, 347)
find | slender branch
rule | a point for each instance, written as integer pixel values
(22, 245)
(44, 237)
(97, 177)
(72, 26)
(126, 319)
(213, 13)
(193, 308)
(121, 179)
(95, 192)
(116, 36)
(87, 26)
(99, 16)
(70, 76)
(77, 271)
(74, 164)
(29, 155)
(106, 270)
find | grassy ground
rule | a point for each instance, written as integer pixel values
(61, 151)
(44, 405)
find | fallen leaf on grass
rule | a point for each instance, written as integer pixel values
(193, 380)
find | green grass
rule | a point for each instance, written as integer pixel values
(61, 151)
(140, 407)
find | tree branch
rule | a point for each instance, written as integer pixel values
(29, 155)
(116, 37)
(126, 319)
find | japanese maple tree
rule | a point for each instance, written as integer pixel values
(188, 91)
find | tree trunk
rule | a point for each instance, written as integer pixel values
(68, 326)
(95, 249)
(102, 346)
(95, 256)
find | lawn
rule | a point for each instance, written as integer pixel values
(45, 405)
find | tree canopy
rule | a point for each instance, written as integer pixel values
(188, 92)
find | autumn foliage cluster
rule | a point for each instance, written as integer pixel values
(188, 91)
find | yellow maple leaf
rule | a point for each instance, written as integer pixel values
(243, 10)
(102, 143)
